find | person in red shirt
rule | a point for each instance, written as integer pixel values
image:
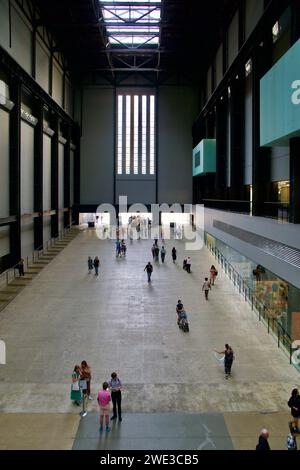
(104, 404)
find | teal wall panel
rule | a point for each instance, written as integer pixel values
(280, 100)
(204, 157)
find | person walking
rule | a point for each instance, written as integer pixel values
(163, 254)
(118, 247)
(188, 264)
(96, 265)
(104, 399)
(86, 374)
(156, 252)
(263, 443)
(206, 287)
(228, 359)
(21, 267)
(75, 389)
(90, 264)
(213, 274)
(153, 251)
(149, 269)
(174, 254)
(294, 404)
(115, 386)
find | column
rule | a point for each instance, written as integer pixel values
(38, 174)
(54, 177)
(15, 166)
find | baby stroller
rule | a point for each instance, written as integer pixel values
(183, 322)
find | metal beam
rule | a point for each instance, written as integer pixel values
(123, 5)
(129, 69)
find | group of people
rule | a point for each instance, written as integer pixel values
(121, 248)
(291, 443)
(93, 264)
(209, 282)
(111, 392)
(81, 383)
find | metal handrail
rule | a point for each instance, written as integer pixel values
(9, 274)
(283, 337)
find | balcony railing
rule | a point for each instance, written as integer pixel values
(283, 338)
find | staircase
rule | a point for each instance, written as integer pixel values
(11, 284)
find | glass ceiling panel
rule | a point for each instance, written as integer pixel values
(127, 20)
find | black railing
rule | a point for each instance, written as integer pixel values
(284, 340)
(230, 205)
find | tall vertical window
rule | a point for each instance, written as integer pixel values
(128, 134)
(136, 134)
(120, 134)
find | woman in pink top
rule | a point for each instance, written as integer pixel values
(104, 404)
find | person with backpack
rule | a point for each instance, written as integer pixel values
(228, 360)
(149, 269)
(213, 274)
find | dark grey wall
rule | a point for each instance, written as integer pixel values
(97, 146)
(177, 107)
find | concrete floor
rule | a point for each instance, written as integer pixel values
(119, 322)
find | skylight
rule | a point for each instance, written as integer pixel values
(132, 23)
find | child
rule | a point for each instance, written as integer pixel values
(104, 404)
(90, 264)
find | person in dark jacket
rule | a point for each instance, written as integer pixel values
(263, 443)
(228, 360)
(174, 254)
(21, 267)
(294, 404)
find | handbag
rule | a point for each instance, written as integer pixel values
(75, 386)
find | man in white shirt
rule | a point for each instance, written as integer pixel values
(206, 286)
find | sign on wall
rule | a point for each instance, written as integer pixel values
(280, 100)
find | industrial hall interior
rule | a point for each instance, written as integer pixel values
(149, 225)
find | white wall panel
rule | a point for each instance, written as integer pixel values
(46, 172)
(46, 228)
(233, 39)
(57, 85)
(4, 241)
(280, 163)
(21, 40)
(27, 168)
(42, 65)
(27, 237)
(248, 133)
(61, 176)
(4, 24)
(228, 151)
(219, 65)
(208, 83)
(4, 163)
(254, 10)
(71, 177)
(68, 97)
